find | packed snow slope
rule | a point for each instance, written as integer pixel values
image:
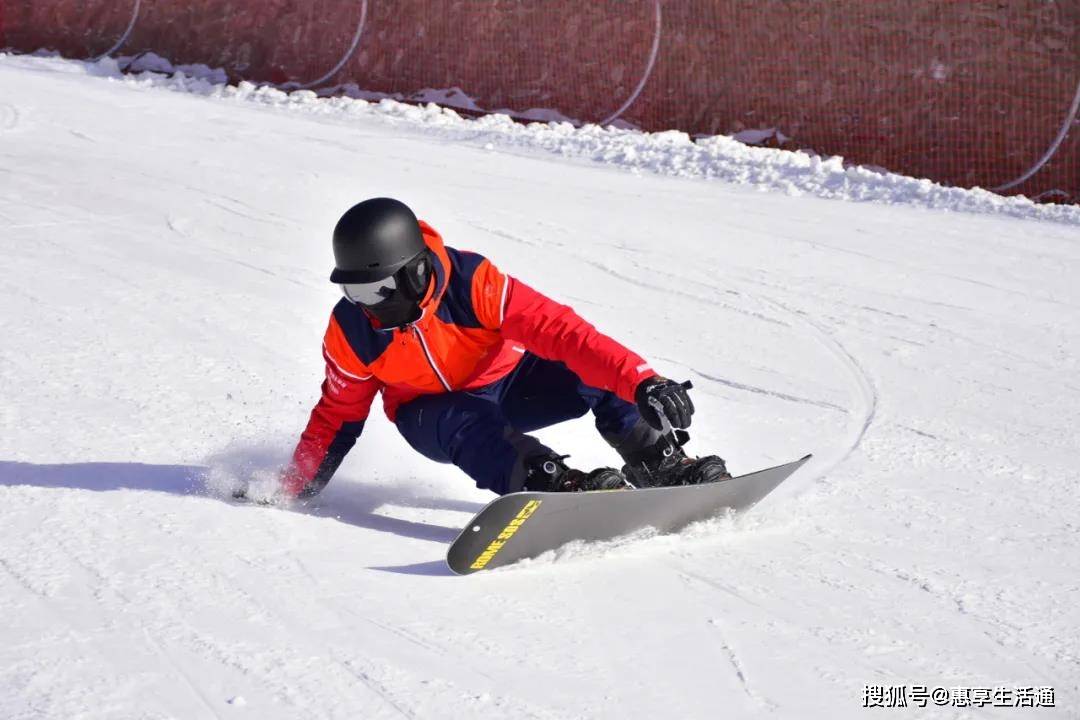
(162, 302)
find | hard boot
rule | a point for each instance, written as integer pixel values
(548, 473)
(664, 463)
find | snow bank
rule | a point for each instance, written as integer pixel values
(670, 153)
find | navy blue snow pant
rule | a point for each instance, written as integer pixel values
(483, 431)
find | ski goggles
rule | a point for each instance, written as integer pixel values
(371, 293)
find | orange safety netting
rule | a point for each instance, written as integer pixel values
(975, 93)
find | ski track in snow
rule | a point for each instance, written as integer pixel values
(865, 393)
(763, 391)
(163, 305)
(736, 666)
(9, 117)
(178, 668)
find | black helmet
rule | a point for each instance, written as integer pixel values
(374, 239)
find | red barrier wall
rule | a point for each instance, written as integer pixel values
(983, 92)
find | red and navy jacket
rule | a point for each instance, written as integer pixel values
(476, 325)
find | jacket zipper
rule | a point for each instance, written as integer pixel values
(430, 359)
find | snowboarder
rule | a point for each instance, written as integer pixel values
(469, 360)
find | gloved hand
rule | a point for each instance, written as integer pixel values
(241, 494)
(659, 395)
(266, 487)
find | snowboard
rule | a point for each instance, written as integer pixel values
(526, 524)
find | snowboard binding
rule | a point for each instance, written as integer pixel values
(665, 464)
(548, 473)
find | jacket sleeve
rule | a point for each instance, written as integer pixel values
(555, 332)
(335, 424)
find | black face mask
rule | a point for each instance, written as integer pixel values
(395, 312)
(395, 301)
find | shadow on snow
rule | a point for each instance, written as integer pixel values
(347, 503)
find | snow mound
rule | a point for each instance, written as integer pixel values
(671, 153)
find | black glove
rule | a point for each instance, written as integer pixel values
(659, 395)
(241, 494)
